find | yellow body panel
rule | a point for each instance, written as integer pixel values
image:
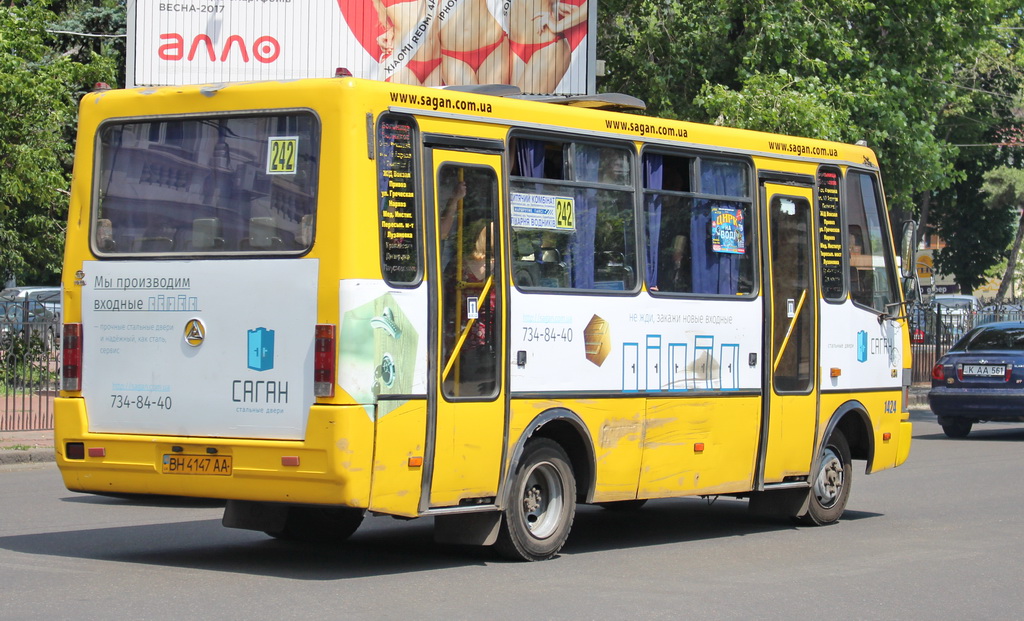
(699, 446)
(467, 457)
(397, 462)
(334, 461)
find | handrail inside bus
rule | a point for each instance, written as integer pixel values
(789, 331)
(465, 332)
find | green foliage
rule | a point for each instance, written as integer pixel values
(913, 79)
(24, 362)
(39, 90)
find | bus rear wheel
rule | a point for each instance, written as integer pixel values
(319, 524)
(541, 506)
(830, 488)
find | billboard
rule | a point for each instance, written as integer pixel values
(931, 281)
(541, 46)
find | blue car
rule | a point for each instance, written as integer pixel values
(981, 378)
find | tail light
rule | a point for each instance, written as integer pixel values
(71, 368)
(323, 361)
(938, 373)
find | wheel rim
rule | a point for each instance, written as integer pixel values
(828, 485)
(542, 500)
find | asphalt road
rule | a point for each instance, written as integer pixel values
(937, 538)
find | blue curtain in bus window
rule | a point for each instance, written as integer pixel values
(654, 175)
(530, 158)
(588, 166)
(715, 272)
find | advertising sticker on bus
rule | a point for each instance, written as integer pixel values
(281, 153)
(727, 230)
(543, 211)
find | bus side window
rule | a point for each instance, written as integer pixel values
(698, 242)
(582, 234)
(872, 273)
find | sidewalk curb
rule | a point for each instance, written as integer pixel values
(30, 456)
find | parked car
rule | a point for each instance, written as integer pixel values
(957, 312)
(50, 297)
(981, 378)
(33, 309)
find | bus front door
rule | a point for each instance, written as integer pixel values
(791, 401)
(466, 419)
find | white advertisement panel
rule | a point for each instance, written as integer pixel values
(185, 348)
(541, 46)
(634, 344)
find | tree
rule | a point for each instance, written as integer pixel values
(984, 127)
(39, 92)
(841, 70)
(1005, 189)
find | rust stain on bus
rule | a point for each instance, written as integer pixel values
(615, 430)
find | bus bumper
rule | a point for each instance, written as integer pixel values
(332, 466)
(903, 449)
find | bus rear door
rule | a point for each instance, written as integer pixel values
(466, 419)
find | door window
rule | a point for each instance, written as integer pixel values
(792, 294)
(467, 204)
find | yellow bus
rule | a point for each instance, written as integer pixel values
(323, 297)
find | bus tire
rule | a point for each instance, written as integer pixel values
(830, 487)
(319, 524)
(541, 506)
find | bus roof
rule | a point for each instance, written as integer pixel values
(479, 107)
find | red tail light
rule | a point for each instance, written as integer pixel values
(71, 369)
(323, 361)
(938, 373)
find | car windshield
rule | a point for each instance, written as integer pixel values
(992, 338)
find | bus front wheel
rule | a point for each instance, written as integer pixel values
(542, 504)
(830, 488)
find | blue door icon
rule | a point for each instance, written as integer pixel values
(261, 349)
(862, 346)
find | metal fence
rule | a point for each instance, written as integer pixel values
(29, 367)
(935, 328)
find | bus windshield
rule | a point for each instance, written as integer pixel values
(214, 185)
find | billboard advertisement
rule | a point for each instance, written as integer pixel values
(541, 46)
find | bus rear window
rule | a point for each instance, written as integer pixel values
(214, 185)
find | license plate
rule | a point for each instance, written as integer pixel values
(984, 370)
(197, 464)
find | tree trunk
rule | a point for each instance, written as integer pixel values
(1011, 264)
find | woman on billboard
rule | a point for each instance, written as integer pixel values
(411, 52)
(474, 45)
(539, 40)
